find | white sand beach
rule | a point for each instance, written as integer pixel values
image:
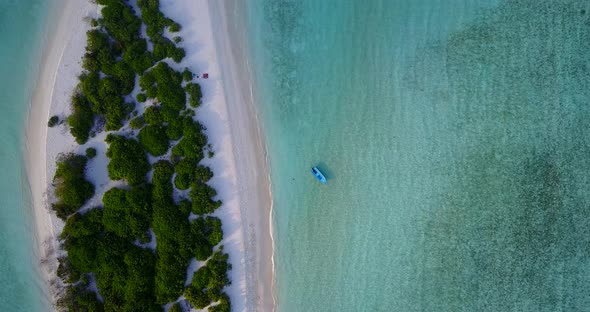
(58, 73)
(228, 113)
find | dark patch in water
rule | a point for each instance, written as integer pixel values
(512, 228)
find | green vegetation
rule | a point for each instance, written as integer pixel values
(193, 142)
(208, 282)
(79, 298)
(201, 194)
(109, 244)
(141, 97)
(175, 308)
(194, 93)
(152, 17)
(153, 138)
(128, 213)
(175, 244)
(185, 173)
(53, 121)
(168, 91)
(71, 188)
(175, 27)
(90, 152)
(127, 160)
(207, 233)
(153, 116)
(187, 75)
(138, 57)
(175, 129)
(120, 21)
(82, 118)
(136, 123)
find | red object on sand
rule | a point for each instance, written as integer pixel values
(205, 76)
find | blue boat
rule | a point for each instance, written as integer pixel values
(319, 175)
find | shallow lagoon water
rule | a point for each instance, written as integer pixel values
(21, 37)
(455, 138)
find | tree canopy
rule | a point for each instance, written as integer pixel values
(153, 138)
(71, 187)
(127, 160)
(113, 245)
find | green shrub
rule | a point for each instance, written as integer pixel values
(141, 97)
(177, 54)
(175, 308)
(127, 160)
(124, 76)
(206, 233)
(127, 213)
(187, 75)
(163, 47)
(175, 27)
(120, 21)
(90, 152)
(164, 83)
(66, 272)
(169, 89)
(223, 305)
(136, 123)
(177, 39)
(152, 115)
(104, 94)
(185, 173)
(138, 57)
(147, 81)
(208, 283)
(97, 40)
(197, 298)
(153, 138)
(101, 52)
(79, 298)
(89, 86)
(82, 118)
(175, 244)
(139, 284)
(218, 266)
(194, 94)
(213, 230)
(203, 174)
(80, 225)
(201, 278)
(71, 187)
(152, 17)
(174, 129)
(90, 63)
(201, 195)
(185, 206)
(53, 121)
(193, 142)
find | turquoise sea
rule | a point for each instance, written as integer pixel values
(21, 26)
(456, 140)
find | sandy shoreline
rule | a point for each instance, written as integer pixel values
(58, 53)
(250, 155)
(239, 164)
